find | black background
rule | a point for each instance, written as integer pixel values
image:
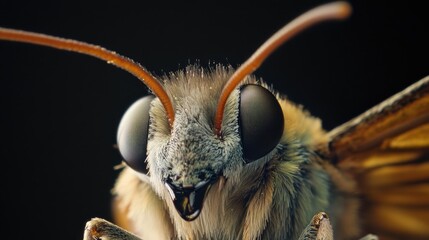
(60, 110)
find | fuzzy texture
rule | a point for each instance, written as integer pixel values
(273, 197)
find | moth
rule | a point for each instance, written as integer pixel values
(218, 154)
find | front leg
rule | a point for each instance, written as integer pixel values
(100, 229)
(318, 229)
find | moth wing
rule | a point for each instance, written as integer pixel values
(386, 150)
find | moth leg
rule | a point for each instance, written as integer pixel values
(318, 229)
(369, 237)
(100, 229)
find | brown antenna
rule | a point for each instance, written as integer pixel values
(96, 51)
(330, 11)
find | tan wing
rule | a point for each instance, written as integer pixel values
(386, 150)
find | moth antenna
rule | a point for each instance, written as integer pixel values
(110, 57)
(330, 11)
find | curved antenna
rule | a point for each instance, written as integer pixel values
(330, 11)
(96, 51)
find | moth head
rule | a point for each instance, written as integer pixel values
(189, 157)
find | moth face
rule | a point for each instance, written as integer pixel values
(193, 153)
(190, 158)
(185, 159)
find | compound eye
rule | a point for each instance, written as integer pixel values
(133, 134)
(261, 121)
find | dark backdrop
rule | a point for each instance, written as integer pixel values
(60, 111)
